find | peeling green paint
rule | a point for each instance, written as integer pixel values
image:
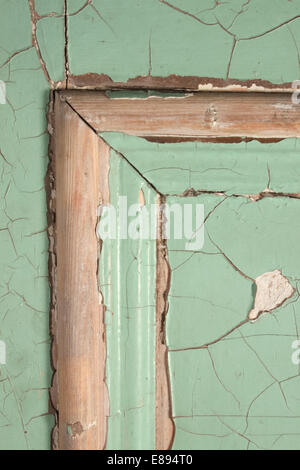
(242, 168)
(44, 7)
(25, 422)
(127, 280)
(240, 392)
(236, 39)
(234, 384)
(51, 35)
(156, 40)
(231, 394)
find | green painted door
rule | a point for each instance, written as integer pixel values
(234, 381)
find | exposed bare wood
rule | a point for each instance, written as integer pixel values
(164, 425)
(94, 81)
(104, 198)
(80, 335)
(104, 152)
(82, 165)
(202, 114)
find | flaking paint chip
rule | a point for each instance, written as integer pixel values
(272, 290)
(142, 199)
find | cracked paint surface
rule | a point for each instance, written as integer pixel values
(233, 382)
(243, 39)
(234, 385)
(25, 419)
(42, 43)
(242, 387)
(127, 279)
(246, 168)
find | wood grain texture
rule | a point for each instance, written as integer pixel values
(203, 114)
(81, 184)
(164, 425)
(80, 333)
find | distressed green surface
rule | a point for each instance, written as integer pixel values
(253, 40)
(50, 35)
(243, 391)
(44, 7)
(243, 168)
(25, 422)
(127, 280)
(123, 40)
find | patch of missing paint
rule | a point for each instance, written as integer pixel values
(142, 200)
(97, 81)
(273, 289)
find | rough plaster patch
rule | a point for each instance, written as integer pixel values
(273, 289)
(266, 88)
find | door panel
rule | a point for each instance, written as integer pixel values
(127, 271)
(234, 382)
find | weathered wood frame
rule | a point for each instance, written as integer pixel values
(80, 162)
